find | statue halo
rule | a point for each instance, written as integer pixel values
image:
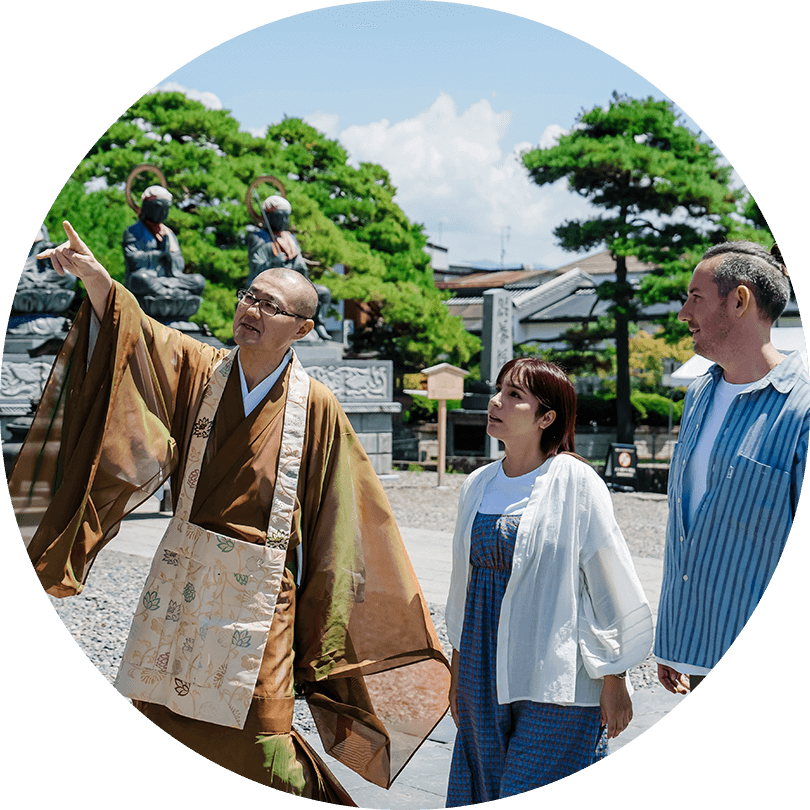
(143, 167)
(265, 178)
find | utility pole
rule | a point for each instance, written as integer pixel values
(505, 229)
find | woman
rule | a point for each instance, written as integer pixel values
(545, 611)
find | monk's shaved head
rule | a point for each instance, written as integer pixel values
(303, 297)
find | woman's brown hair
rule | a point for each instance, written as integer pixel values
(550, 385)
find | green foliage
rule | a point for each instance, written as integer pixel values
(663, 189)
(647, 353)
(648, 409)
(427, 410)
(575, 361)
(664, 195)
(341, 215)
(653, 409)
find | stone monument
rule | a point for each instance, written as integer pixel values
(497, 348)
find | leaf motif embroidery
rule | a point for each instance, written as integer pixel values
(181, 687)
(225, 544)
(173, 613)
(241, 578)
(151, 600)
(189, 594)
(240, 638)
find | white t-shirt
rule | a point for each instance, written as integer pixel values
(508, 496)
(697, 468)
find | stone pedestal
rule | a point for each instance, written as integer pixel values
(22, 379)
(365, 390)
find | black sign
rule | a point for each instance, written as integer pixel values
(621, 467)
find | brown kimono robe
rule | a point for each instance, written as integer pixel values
(355, 636)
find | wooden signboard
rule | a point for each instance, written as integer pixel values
(444, 382)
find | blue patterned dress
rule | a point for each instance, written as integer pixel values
(503, 750)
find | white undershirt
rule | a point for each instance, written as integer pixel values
(697, 468)
(250, 399)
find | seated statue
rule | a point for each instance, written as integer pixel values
(279, 248)
(41, 289)
(154, 263)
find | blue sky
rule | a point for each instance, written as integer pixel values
(442, 95)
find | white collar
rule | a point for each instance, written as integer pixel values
(250, 399)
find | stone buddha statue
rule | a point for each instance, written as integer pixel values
(154, 264)
(275, 246)
(41, 289)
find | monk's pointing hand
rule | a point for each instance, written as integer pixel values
(73, 256)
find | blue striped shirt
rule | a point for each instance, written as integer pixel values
(715, 574)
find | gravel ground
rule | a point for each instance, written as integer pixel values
(419, 504)
(99, 618)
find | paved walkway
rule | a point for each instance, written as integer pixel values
(423, 782)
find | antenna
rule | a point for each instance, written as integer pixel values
(505, 229)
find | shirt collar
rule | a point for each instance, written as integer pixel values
(782, 377)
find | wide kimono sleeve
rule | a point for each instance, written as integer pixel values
(115, 409)
(615, 626)
(367, 654)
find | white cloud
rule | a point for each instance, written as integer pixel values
(327, 123)
(206, 98)
(453, 174)
(551, 136)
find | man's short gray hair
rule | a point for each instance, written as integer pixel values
(752, 265)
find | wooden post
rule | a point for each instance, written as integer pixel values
(440, 465)
(441, 383)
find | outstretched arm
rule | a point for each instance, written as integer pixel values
(75, 257)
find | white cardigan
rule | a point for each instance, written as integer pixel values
(574, 609)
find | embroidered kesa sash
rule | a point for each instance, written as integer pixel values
(202, 623)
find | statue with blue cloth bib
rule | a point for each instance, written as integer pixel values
(154, 264)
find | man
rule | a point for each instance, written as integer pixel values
(347, 622)
(737, 469)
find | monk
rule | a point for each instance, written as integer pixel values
(282, 568)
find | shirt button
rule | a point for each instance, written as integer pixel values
(685, 577)
(682, 538)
